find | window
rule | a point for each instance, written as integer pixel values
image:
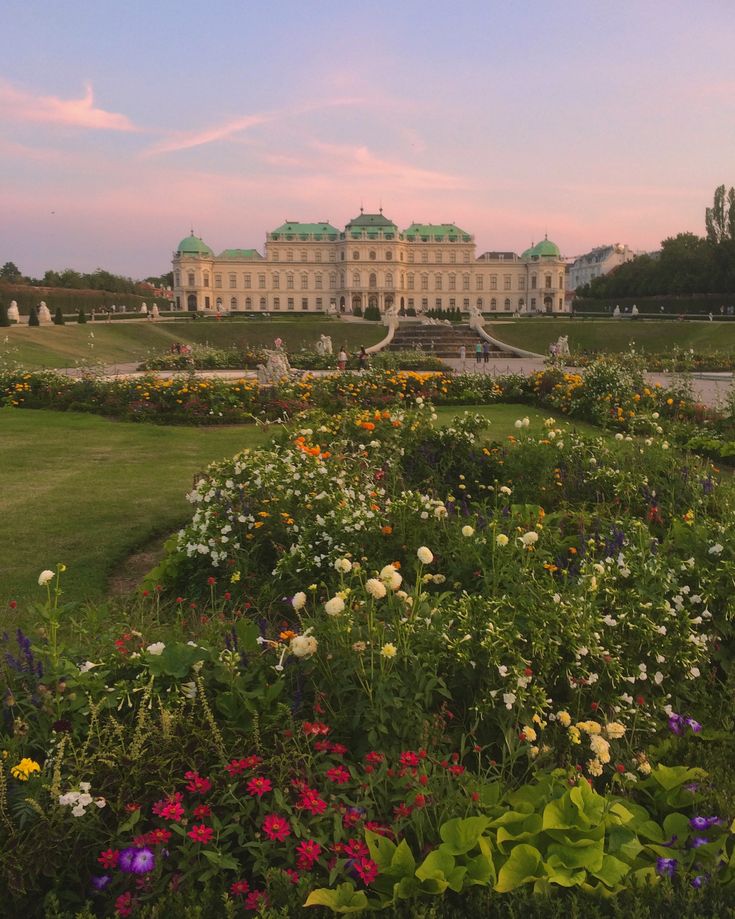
(424, 257)
(318, 280)
(410, 303)
(177, 279)
(206, 302)
(274, 254)
(452, 303)
(261, 281)
(342, 279)
(507, 303)
(466, 258)
(561, 282)
(262, 303)
(319, 303)
(304, 255)
(388, 255)
(218, 280)
(389, 280)
(424, 282)
(372, 281)
(410, 280)
(290, 303)
(341, 256)
(233, 303)
(206, 279)
(493, 282)
(453, 257)
(493, 304)
(465, 282)
(438, 302)
(276, 281)
(506, 282)
(521, 283)
(479, 303)
(191, 279)
(437, 282)
(248, 281)
(438, 257)
(410, 256)
(304, 303)
(452, 281)
(333, 255)
(248, 303)
(424, 303)
(276, 303)
(533, 282)
(547, 281)
(533, 303)
(466, 303)
(333, 280)
(479, 281)
(355, 278)
(318, 255)
(289, 281)
(355, 255)
(289, 255)
(304, 281)
(372, 255)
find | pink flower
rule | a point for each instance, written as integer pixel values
(197, 783)
(259, 786)
(374, 758)
(311, 801)
(109, 858)
(202, 810)
(124, 904)
(308, 852)
(366, 868)
(355, 848)
(409, 758)
(276, 827)
(170, 808)
(315, 728)
(200, 832)
(255, 899)
(238, 766)
(239, 888)
(339, 775)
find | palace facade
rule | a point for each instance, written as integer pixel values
(317, 268)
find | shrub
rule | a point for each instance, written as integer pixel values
(58, 316)
(33, 317)
(372, 313)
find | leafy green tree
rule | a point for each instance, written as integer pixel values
(58, 316)
(4, 318)
(11, 273)
(81, 316)
(33, 317)
(720, 218)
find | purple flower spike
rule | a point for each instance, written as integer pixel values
(101, 881)
(143, 861)
(666, 867)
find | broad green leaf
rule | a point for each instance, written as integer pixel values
(524, 865)
(402, 864)
(561, 815)
(406, 889)
(220, 859)
(676, 825)
(670, 777)
(650, 830)
(455, 878)
(590, 805)
(584, 854)
(480, 870)
(247, 633)
(520, 832)
(344, 899)
(381, 849)
(436, 865)
(175, 660)
(612, 871)
(562, 876)
(623, 842)
(460, 835)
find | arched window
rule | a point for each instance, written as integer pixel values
(289, 255)
(191, 279)
(507, 303)
(479, 281)
(355, 255)
(452, 281)
(355, 278)
(219, 303)
(177, 280)
(388, 255)
(262, 303)
(373, 281)
(424, 282)
(372, 255)
(248, 303)
(493, 304)
(547, 281)
(304, 281)
(479, 303)
(233, 303)
(533, 282)
(465, 282)
(389, 280)
(289, 281)
(333, 281)
(561, 281)
(437, 282)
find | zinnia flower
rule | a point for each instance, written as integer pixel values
(276, 827)
(201, 833)
(425, 555)
(259, 786)
(388, 650)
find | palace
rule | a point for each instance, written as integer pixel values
(371, 263)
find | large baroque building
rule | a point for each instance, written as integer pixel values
(316, 267)
(597, 262)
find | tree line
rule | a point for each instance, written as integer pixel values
(687, 264)
(70, 279)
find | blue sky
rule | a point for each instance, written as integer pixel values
(126, 124)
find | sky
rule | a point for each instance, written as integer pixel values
(125, 125)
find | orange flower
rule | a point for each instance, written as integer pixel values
(386, 530)
(287, 635)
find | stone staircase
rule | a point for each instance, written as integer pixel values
(439, 340)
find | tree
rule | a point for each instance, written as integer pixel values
(58, 316)
(81, 317)
(720, 218)
(4, 318)
(11, 273)
(33, 317)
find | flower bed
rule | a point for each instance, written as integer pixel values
(387, 663)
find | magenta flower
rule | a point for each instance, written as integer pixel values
(276, 827)
(259, 786)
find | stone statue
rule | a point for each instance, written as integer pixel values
(324, 345)
(634, 311)
(275, 369)
(154, 311)
(44, 315)
(562, 346)
(13, 312)
(616, 313)
(143, 308)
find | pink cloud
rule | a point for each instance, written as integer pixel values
(188, 139)
(19, 105)
(360, 161)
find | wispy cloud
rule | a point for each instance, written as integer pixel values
(360, 161)
(185, 140)
(20, 105)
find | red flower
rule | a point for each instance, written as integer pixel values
(338, 749)
(201, 833)
(13, 604)
(311, 801)
(456, 770)
(308, 852)
(527, 671)
(255, 899)
(402, 810)
(238, 766)
(124, 904)
(293, 875)
(259, 786)
(211, 581)
(170, 808)
(315, 728)
(420, 801)
(322, 745)
(133, 806)
(594, 706)
(380, 828)
(228, 595)
(366, 868)
(109, 858)
(620, 767)
(239, 888)
(179, 599)
(374, 758)
(639, 700)
(409, 758)
(197, 784)
(355, 848)
(276, 827)
(339, 775)
(202, 810)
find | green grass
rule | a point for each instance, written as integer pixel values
(125, 342)
(86, 491)
(503, 418)
(615, 336)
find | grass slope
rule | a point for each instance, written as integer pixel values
(124, 342)
(614, 336)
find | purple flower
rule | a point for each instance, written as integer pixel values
(101, 881)
(699, 881)
(692, 787)
(676, 723)
(698, 841)
(704, 823)
(137, 861)
(694, 725)
(666, 867)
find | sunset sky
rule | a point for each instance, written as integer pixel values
(125, 124)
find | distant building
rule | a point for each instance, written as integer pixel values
(597, 262)
(318, 268)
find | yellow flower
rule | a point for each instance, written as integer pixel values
(574, 735)
(388, 650)
(528, 732)
(234, 577)
(24, 768)
(564, 718)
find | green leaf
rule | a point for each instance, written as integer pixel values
(563, 876)
(480, 870)
(584, 853)
(436, 867)
(344, 899)
(460, 835)
(670, 777)
(612, 871)
(248, 633)
(175, 660)
(403, 863)
(623, 842)
(381, 849)
(455, 878)
(521, 832)
(590, 805)
(220, 859)
(524, 865)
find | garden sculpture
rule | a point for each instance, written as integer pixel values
(44, 314)
(13, 313)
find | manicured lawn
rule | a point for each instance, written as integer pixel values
(503, 418)
(612, 335)
(87, 491)
(128, 341)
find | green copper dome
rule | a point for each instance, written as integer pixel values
(193, 245)
(546, 249)
(528, 253)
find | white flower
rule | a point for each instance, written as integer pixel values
(618, 436)
(468, 531)
(504, 490)
(391, 577)
(343, 565)
(658, 678)
(526, 421)
(501, 539)
(509, 698)
(694, 672)
(304, 646)
(87, 665)
(156, 648)
(503, 670)
(440, 511)
(44, 577)
(375, 588)
(78, 810)
(614, 730)
(716, 549)
(298, 601)
(189, 690)
(334, 606)
(530, 538)
(655, 416)
(425, 555)
(518, 424)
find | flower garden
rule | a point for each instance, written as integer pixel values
(391, 666)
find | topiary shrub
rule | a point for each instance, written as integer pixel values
(81, 316)
(33, 317)
(4, 318)
(58, 316)
(372, 313)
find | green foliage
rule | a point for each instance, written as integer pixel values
(33, 317)
(4, 318)
(58, 316)
(81, 315)
(372, 313)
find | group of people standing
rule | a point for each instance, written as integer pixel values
(482, 353)
(343, 357)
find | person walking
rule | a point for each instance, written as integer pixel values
(478, 352)
(462, 357)
(362, 358)
(342, 358)
(486, 352)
